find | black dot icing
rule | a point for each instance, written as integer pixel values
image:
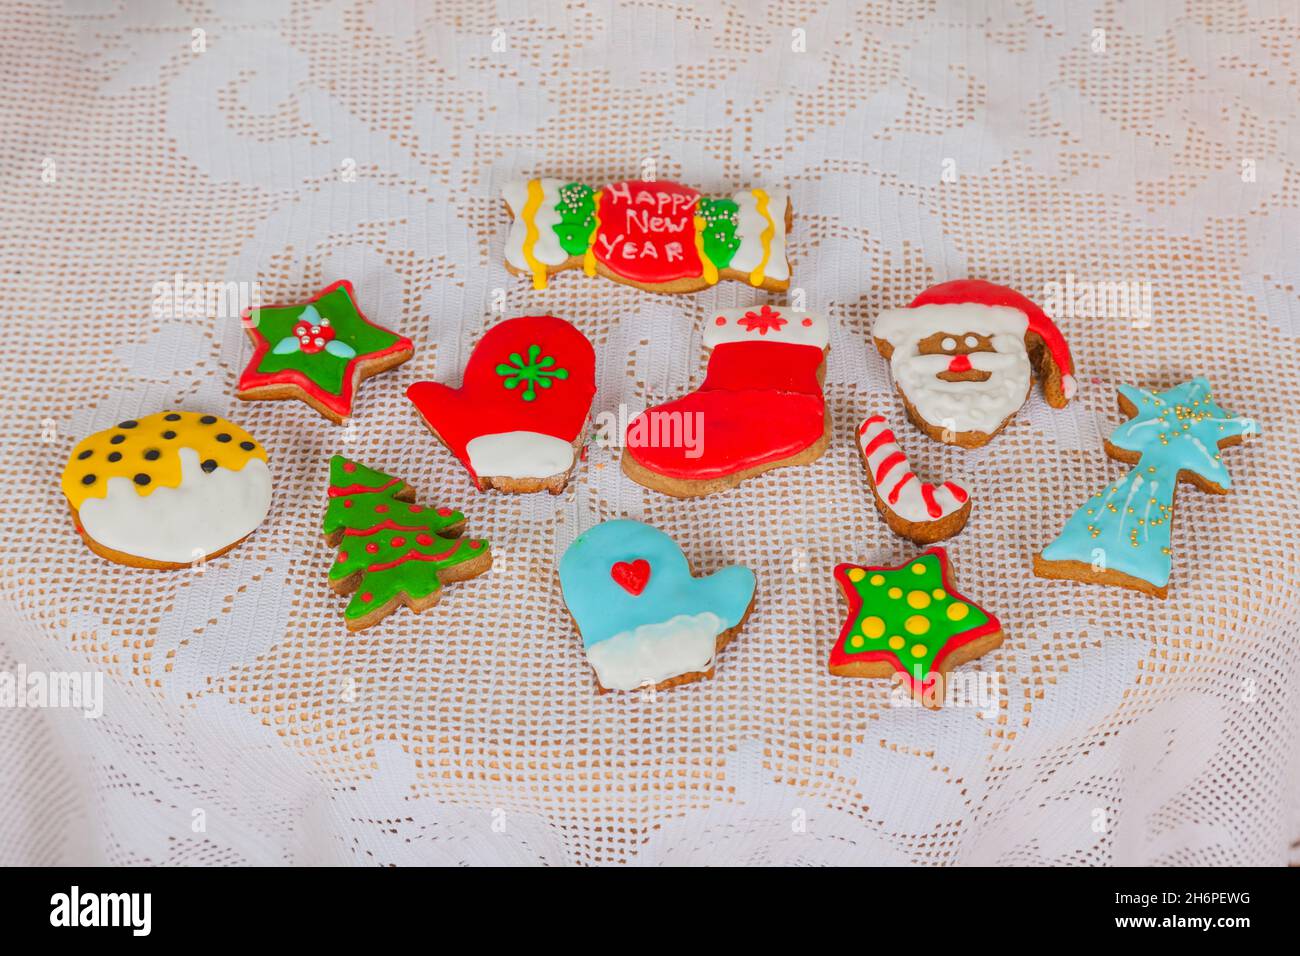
(173, 417)
(129, 423)
(114, 456)
(117, 439)
(247, 445)
(223, 437)
(169, 434)
(152, 454)
(209, 466)
(208, 420)
(88, 480)
(142, 479)
(84, 455)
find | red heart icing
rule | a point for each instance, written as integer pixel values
(631, 577)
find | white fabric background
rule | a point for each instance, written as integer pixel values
(1131, 731)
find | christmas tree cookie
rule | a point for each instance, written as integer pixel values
(658, 236)
(392, 551)
(317, 351)
(1121, 536)
(910, 621)
(518, 420)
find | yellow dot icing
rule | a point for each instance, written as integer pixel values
(856, 574)
(895, 593)
(916, 624)
(896, 642)
(918, 650)
(877, 579)
(918, 599)
(957, 611)
(873, 627)
(164, 470)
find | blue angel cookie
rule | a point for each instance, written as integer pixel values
(644, 620)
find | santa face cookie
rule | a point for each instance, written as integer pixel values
(645, 621)
(760, 407)
(517, 423)
(391, 551)
(911, 622)
(1122, 534)
(962, 355)
(317, 351)
(168, 490)
(658, 236)
(916, 510)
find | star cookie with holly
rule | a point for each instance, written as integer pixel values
(317, 351)
(910, 620)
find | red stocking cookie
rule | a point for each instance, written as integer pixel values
(517, 422)
(961, 356)
(760, 407)
(657, 236)
(914, 509)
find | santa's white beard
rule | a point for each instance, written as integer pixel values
(965, 406)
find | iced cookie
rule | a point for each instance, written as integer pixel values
(916, 510)
(517, 422)
(168, 490)
(317, 351)
(644, 620)
(760, 407)
(391, 551)
(909, 620)
(962, 353)
(657, 236)
(1121, 536)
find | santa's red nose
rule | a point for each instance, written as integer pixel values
(959, 363)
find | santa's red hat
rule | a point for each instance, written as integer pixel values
(1047, 345)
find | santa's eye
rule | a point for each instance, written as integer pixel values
(972, 342)
(949, 344)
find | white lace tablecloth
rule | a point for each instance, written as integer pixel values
(288, 144)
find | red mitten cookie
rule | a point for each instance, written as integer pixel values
(760, 407)
(517, 423)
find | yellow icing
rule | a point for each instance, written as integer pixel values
(760, 206)
(535, 196)
(710, 270)
(163, 471)
(589, 257)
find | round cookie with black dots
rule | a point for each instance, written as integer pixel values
(167, 490)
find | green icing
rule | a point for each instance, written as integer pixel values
(720, 220)
(536, 370)
(415, 550)
(577, 209)
(322, 368)
(909, 589)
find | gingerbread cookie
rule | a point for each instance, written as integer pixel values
(657, 236)
(517, 422)
(644, 620)
(392, 551)
(1121, 536)
(168, 490)
(760, 407)
(921, 512)
(961, 356)
(909, 620)
(317, 351)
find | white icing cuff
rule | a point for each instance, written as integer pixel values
(206, 513)
(901, 325)
(653, 653)
(765, 324)
(519, 455)
(750, 224)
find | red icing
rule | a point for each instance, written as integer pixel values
(958, 492)
(898, 488)
(631, 577)
(358, 489)
(886, 466)
(932, 506)
(760, 402)
(484, 406)
(959, 363)
(886, 437)
(763, 321)
(647, 231)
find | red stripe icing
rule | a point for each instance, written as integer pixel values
(893, 495)
(885, 466)
(386, 526)
(870, 421)
(932, 506)
(360, 489)
(415, 556)
(886, 437)
(958, 492)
